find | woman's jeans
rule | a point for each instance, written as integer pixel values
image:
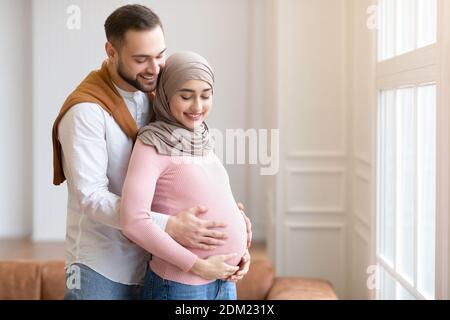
(156, 288)
(83, 283)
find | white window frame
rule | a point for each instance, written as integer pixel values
(426, 65)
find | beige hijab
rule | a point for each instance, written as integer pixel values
(166, 134)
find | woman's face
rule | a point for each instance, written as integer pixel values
(191, 104)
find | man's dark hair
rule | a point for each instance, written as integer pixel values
(130, 17)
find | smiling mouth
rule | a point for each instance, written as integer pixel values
(194, 116)
(148, 78)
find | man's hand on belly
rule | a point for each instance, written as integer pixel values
(190, 231)
(248, 224)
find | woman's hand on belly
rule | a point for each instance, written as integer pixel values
(244, 266)
(215, 267)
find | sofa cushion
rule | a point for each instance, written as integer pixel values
(294, 288)
(20, 280)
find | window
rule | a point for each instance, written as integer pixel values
(407, 80)
(407, 190)
(405, 25)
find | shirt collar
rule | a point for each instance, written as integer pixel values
(127, 94)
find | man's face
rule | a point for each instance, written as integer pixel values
(141, 58)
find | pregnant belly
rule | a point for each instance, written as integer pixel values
(236, 231)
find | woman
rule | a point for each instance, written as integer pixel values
(173, 166)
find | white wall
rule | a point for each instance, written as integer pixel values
(219, 30)
(61, 59)
(310, 222)
(15, 122)
(262, 108)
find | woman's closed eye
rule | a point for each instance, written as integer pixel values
(188, 98)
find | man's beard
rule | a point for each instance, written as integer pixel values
(132, 82)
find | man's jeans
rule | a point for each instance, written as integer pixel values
(156, 288)
(83, 283)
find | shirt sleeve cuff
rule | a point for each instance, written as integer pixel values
(160, 219)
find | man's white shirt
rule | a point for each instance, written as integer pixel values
(95, 156)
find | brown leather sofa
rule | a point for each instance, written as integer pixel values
(45, 280)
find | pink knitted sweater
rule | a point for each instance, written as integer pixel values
(169, 185)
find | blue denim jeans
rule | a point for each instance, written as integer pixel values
(156, 288)
(83, 283)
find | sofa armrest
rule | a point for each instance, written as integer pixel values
(258, 281)
(297, 288)
(53, 280)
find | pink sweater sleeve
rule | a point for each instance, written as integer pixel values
(138, 190)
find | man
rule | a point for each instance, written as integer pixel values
(93, 137)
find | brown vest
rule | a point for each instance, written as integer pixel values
(96, 88)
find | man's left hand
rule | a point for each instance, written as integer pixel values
(248, 224)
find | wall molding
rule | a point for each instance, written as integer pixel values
(338, 154)
(339, 208)
(358, 232)
(359, 174)
(363, 159)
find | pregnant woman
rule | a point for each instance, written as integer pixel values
(173, 166)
